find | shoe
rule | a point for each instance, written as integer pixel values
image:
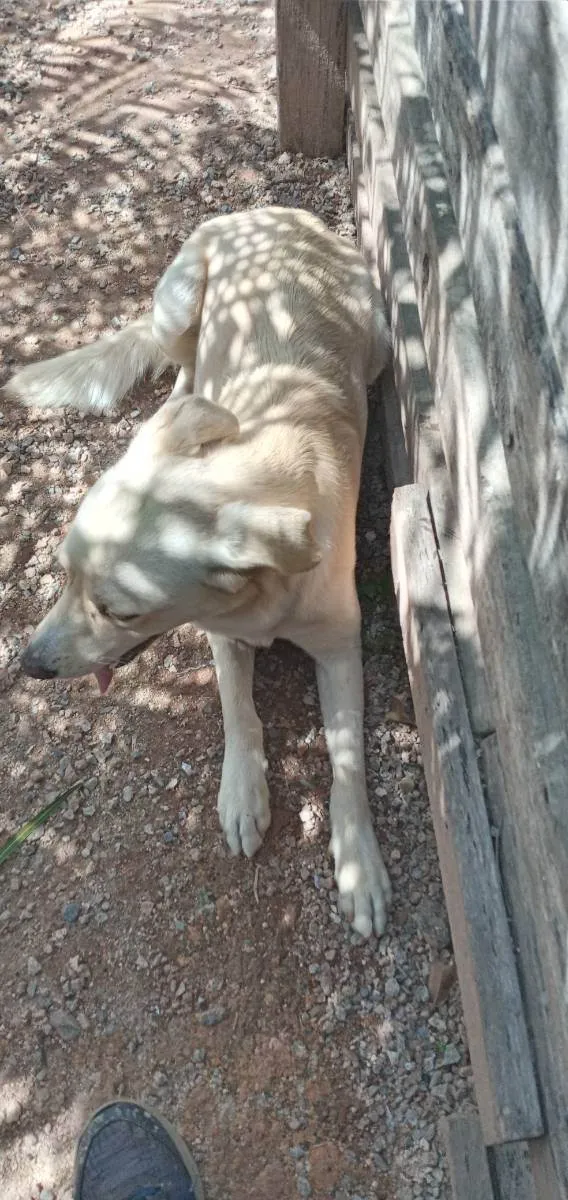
(130, 1153)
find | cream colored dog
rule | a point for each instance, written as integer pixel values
(234, 506)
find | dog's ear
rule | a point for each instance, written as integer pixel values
(251, 536)
(186, 423)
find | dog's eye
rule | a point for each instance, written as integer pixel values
(105, 612)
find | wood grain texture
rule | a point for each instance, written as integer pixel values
(528, 710)
(532, 922)
(310, 56)
(497, 1034)
(467, 1159)
(527, 390)
(382, 241)
(510, 1168)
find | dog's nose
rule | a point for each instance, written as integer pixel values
(31, 666)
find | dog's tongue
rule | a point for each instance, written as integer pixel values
(104, 679)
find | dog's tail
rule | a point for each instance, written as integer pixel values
(95, 377)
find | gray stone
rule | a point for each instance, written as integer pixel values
(71, 912)
(64, 1024)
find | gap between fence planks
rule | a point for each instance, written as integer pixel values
(497, 1034)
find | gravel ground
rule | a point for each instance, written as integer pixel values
(138, 958)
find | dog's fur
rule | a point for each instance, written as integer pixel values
(234, 506)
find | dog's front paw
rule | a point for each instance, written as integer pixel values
(362, 879)
(243, 805)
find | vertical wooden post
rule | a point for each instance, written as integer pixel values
(310, 51)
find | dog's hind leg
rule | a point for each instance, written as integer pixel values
(243, 806)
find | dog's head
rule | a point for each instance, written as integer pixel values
(154, 546)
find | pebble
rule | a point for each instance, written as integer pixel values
(34, 967)
(11, 1113)
(64, 1024)
(71, 912)
(392, 988)
(213, 1016)
(451, 1057)
(441, 980)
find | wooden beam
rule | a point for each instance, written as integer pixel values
(515, 640)
(527, 389)
(310, 56)
(535, 936)
(510, 1167)
(382, 242)
(497, 1035)
(467, 1159)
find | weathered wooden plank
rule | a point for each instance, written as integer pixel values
(528, 710)
(527, 389)
(467, 1159)
(382, 241)
(310, 56)
(535, 935)
(462, 612)
(510, 1167)
(546, 1179)
(493, 1011)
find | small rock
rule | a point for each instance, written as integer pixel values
(392, 988)
(451, 1057)
(34, 967)
(71, 913)
(64, 1024)
(213, 1016)
(11, 1113)
(432, 923)
(441, 980)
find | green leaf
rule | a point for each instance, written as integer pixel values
(17, 839)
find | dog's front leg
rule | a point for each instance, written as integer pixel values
(244, 809)
(362, 880)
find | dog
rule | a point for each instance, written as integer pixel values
(234, 505)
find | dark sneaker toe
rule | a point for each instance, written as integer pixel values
(128, 1153)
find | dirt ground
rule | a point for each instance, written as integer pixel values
(137, 957)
